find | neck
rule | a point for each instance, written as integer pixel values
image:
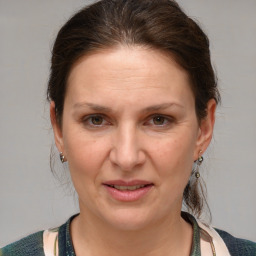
(171, 236)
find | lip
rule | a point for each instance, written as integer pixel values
(127, 183)
(128, 195)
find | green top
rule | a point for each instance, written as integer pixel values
(33, 244)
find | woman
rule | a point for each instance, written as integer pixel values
(132, 101)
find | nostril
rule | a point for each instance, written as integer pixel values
(126, 152)
(125, 160)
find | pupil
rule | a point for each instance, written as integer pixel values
(158, 120)
(97, 120)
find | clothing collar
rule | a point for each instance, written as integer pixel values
(64, 239)
(66, 246)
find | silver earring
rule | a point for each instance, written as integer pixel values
(62, 157)
(198, 163)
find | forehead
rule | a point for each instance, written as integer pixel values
(128, 72)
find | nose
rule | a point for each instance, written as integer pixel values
(126, 151)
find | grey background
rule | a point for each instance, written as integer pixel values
(32, 199)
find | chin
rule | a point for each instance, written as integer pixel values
(130, 220)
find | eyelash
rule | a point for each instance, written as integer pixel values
(87, 121)
(167, 120)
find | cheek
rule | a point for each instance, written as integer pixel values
(85, 159)
(173, 158)
(85, 154)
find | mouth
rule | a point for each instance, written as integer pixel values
(128, 188)
(128, 191)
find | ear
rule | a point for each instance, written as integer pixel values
(56, 128)
(205, 129)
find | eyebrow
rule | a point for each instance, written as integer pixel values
(162, 107)
(153, 108)
(93, 106)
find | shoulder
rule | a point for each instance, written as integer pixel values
(30, 245)
(237, 246)
(42, 243)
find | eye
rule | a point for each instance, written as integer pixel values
(96, 120)
(93, 121)
(159, 120)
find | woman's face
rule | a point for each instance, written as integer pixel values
(130, 135)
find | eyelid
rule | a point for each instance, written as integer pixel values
(149, 120)
(169, 119)
(86, 119)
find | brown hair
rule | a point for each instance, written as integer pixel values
(158, 24)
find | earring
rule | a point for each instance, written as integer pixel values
(198, 163)
(62, 157)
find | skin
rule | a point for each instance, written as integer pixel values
(145, 128)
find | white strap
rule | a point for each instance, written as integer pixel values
(206, 243)
(220, 247)
(50, 239)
